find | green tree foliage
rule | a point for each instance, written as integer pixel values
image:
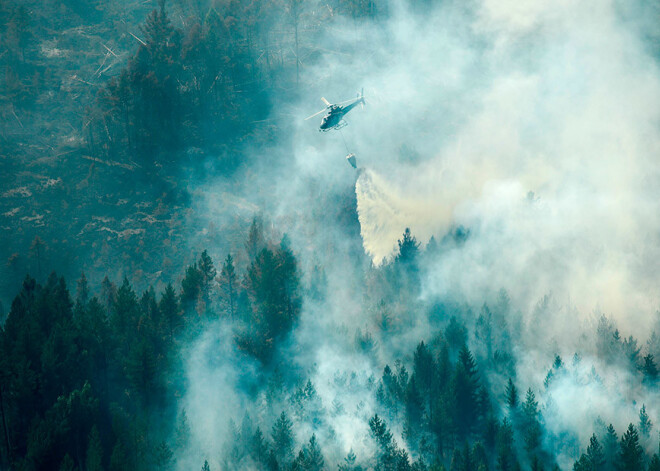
(282, 436)
(511, 395)
(531, 426)
(645, 424)
(610, 447)
(349, 463)
(631, 454)
(76, 381)
(96, 384)
(272, 284)
(228, 281)
(465, 387)
(191, 286)
(506, 458)
(172, 320)
(424, 368)
(390, 456)
(408, 248)
(455, 334)
(650, 369)
(595, 453)
(310, 457)
(145, 101)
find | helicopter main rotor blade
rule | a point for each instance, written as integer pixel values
(351, 100)
(327, 103)
(315, 114)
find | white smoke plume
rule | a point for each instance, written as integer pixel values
(533, 125)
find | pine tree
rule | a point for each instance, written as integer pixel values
(506, 458)
(424, 367)
(645, 424)
(511, 395)
(191, 286)
(205, 466)
(283, 439)
(583, 464)
(380, 432)
(169, 310)
(207, 272)
(650, 369)
(126, 312)
(228, 280)
(456, 334)
(142, 370)
(610, 448)
(163, 456)
(313, 458)
(408, 248)
(531, 425)
(654, 464)
(465, 393)
(349, 463)
(595, 454)
(631, 455)
(259, 449)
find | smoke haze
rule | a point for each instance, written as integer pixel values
(529, 125)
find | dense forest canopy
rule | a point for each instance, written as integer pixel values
(191, 277)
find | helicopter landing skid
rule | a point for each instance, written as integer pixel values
(340, 124)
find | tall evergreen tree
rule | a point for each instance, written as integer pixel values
(650, 370)
(169, 310)
(408, 248)
(511, 395)
(610, 448)
(465, 393)
(312, 458)
(595, 454)
(645, 424)
(282, 436)
(229, 284)
(207, 272)
(506, 458)
(531, 425)
(631, 455)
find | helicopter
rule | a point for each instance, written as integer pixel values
(334, 117)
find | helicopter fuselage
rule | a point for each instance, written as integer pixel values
(332, 119)
(335, 114)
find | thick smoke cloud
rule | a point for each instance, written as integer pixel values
(532, 125)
